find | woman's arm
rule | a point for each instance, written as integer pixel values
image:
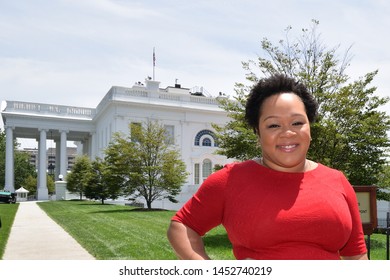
(188, 245)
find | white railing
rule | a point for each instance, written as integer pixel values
(49, 109)
(136, 93)
(167, 96)
(204, 100)
(123, 93)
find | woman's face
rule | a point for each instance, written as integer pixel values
(284, 132)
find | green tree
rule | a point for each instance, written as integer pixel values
(236, 139)
(22, 166)
(146, 164)
(350, 133)
(102, 184)
(79, 177)
(384, 184)
(50, 183)
(118, 161)
(30, 184)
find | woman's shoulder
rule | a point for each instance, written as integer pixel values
(240, 166)
(324, 169)
(331, 176)
(231, 169)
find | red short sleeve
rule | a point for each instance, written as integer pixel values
(204, 210)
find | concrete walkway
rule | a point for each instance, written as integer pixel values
(35, 236)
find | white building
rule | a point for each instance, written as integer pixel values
(383, 208)
(187, 116)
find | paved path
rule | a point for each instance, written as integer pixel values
(35, 236)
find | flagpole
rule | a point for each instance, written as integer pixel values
(154, 62)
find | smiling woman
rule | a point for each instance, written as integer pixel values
(282, 206)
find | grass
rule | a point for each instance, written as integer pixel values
(378, 247)
(7, 215)
(110, 232)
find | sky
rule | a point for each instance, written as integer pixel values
(71, 52)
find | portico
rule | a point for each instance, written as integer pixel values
(45, 122)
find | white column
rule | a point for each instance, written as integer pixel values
(93, 146)
(63, 154)
(9, 160)
(42, 192)
(85, 147)
(79, 147)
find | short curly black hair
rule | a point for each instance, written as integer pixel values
(272, 85)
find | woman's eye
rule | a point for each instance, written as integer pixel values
(297, 123)
(273, 126)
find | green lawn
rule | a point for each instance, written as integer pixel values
(121, 232)
(7, 215)
(378, 247)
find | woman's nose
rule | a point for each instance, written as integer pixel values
(288, 132)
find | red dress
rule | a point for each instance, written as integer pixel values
(279, 215)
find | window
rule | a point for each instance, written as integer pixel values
(206, 168)
(196, 173)
(169, 134)
(205, 138)
(206, 142)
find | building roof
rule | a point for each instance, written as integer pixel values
(22, 190)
